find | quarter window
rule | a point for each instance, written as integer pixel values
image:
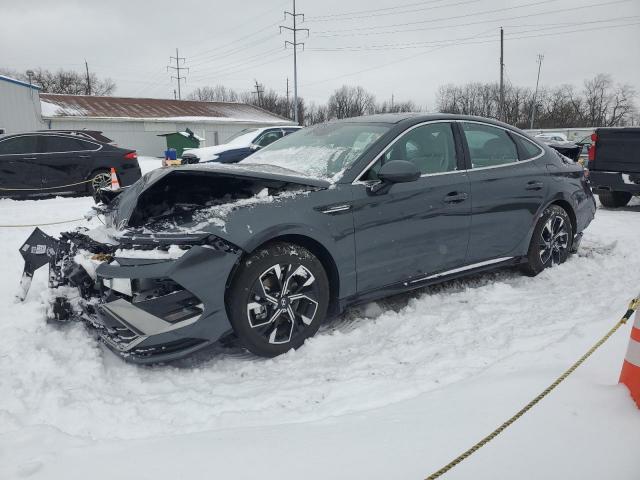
(526, 148)
(489, 146)
(18, 145)
(429, 147)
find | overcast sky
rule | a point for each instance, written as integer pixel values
(405, 48)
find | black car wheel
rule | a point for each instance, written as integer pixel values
(278, 299)
(99, 179)
(614, 199)
(551, 241)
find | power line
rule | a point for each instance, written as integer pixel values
(177, 68)
(406, 5)
(408, 45)
(294, 44)
(433, 20)
(360, 32)
(397, 11)
(464, 42)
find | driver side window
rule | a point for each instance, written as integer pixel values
(429, 147)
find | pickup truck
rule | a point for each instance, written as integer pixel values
(614, 165)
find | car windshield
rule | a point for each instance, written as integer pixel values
(323, 151)
(243, 137)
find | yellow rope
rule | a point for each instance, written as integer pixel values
(44, 188)
(633, 306)
(42, 224)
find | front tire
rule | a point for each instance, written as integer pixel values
(551, 241)
(278, 298)
(614, 199)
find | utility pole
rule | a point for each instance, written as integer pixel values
(86, 65)
(392, 102)
(288, 106)
(501, 110)
(535, 95)
(259, 91)
(179, 60)
(294, 44)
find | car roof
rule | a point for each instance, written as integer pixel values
(49, 133)
(417, 117)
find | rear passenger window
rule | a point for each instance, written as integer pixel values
(18, 145)
(54, 144)
(526, 148)
(489, 146)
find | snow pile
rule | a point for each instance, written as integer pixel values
(393, 389)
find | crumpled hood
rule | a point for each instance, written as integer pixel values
(122, 207)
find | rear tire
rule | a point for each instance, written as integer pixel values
(614, 199)
(551, 241)
(98, 179)
(278, 298)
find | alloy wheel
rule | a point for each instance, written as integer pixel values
(101, 180)
(283, 302)
(554, 240)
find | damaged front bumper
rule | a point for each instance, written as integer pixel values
(150, 299)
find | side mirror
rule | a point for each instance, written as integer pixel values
(254, 147)
(398, 171)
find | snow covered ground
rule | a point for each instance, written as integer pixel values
(394, 389)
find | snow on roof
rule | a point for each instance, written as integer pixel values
(55, 105)
(18, 82)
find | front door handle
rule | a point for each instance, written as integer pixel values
(455, 197)
(28, 158)
(84, 156)
(533, 185)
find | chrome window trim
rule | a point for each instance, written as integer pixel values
(518, 162)
(508, 131)
(48, 135)
(17, 136)
(70, 151)
(377, 157)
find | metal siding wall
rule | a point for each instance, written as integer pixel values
(143, 135)
(19, 108)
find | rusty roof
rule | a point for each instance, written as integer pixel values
(58, 105)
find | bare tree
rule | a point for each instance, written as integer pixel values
(218, 93)
(348, 102)
(396, 107)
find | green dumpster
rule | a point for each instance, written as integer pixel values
(182, 140)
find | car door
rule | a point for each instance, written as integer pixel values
(508, 188)
(412, 230)
(19, 169)
(65, 160)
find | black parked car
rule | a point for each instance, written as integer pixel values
(614, 165)
(42, 163)
(337, 214)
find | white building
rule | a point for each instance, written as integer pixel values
(130, 122)
(137, 122)
(19, 106)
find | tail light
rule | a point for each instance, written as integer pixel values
(591, 153)
(131, 156)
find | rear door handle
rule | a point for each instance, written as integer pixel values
(28, 158)
(533, 185)
(84, 156)
(455, 197)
